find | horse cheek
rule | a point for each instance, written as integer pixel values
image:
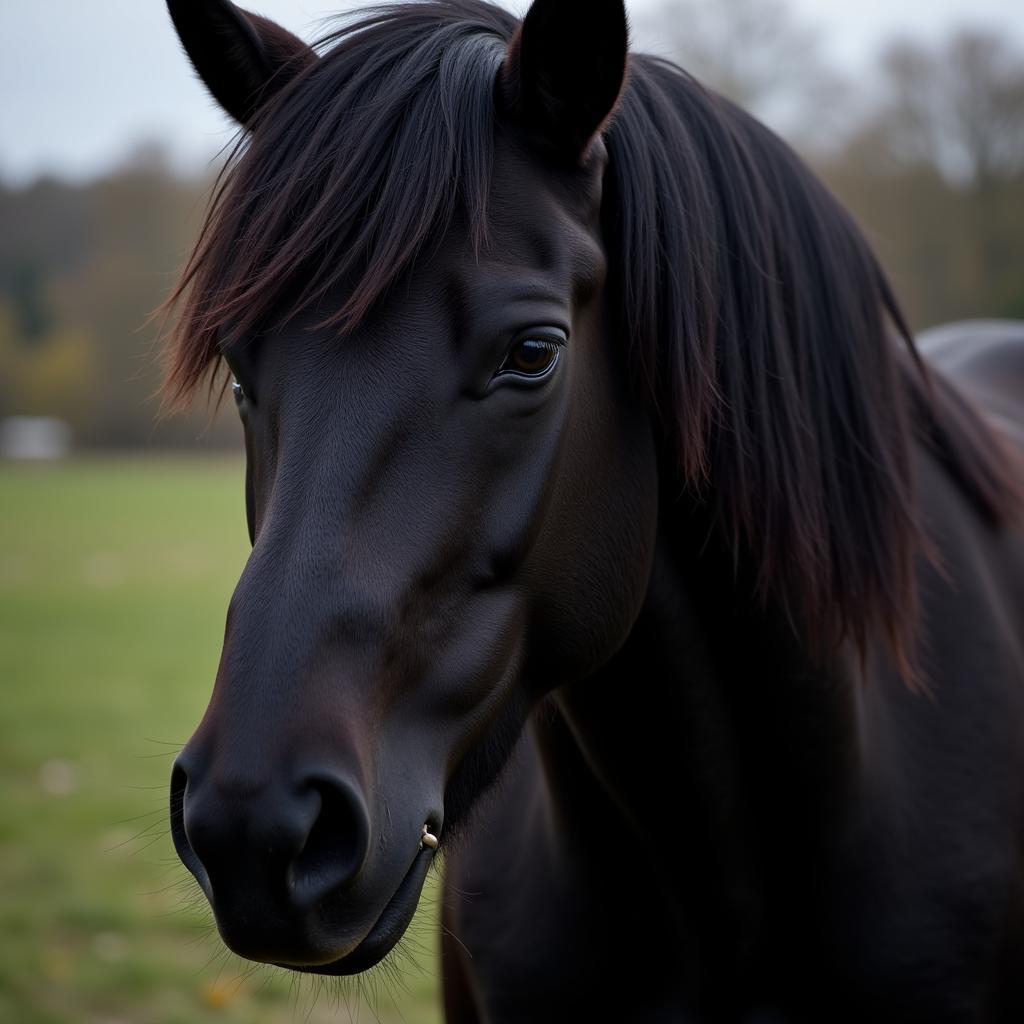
(593, 560)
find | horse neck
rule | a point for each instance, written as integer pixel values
(721, 745)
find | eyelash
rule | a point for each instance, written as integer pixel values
(543, 343)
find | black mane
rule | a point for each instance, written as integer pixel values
(759, 324)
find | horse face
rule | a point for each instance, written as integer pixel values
(451, 514)
(453, 511)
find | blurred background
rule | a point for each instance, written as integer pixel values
(121, 537)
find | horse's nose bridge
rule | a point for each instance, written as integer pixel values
(309, 636)
(277, 603)
(306, 619)
(343, 555)
(323, 576)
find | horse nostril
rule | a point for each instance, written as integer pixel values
(179, 786)
(337, 843)
(300, 845)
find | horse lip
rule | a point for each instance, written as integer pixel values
(389, 927)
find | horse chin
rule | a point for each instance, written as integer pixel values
(386, 931)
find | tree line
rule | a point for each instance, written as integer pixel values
(927, 153)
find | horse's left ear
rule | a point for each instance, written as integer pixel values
(242, 58)
(564, 70)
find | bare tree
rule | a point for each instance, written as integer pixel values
(936, 174)
(958, 109)
(758, 55)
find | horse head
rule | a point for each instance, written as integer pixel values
(452, 492)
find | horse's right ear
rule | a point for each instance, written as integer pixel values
(243, 59)
(564, 71)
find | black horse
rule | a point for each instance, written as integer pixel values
(588, 451)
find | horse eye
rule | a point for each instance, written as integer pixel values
(532, 357)
(237, 391)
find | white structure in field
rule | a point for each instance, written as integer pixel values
(34, 438)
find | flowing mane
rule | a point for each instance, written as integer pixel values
(758, 322)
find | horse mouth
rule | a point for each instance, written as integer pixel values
(387, 930)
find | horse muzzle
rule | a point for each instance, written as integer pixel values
(290, 868)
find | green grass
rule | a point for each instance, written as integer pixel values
(114, 580)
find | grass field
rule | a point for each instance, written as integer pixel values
(114, 579)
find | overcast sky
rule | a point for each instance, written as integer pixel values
(80, 82)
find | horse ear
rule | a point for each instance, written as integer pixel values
(242, 58)
(564, 71)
